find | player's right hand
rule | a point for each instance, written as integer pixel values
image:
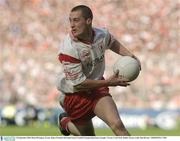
(117, 80)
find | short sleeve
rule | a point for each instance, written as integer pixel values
(109, 39)
(72, 68)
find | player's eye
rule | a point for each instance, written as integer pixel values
(76, 19)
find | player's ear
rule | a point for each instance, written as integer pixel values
(89, 21)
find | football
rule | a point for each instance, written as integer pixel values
(128, 68)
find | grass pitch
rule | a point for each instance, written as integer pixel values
(54, 131)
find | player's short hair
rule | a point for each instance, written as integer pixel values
(86, 11)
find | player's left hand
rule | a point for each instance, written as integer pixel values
(137, 60)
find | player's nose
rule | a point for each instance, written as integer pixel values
(72, 25)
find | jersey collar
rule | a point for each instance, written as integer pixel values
(83, 41)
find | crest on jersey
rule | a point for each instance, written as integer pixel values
(85, 55)
(86, 58)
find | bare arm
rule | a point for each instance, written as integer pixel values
(114, 80)
(118, 48)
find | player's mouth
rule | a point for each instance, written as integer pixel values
(74, 31)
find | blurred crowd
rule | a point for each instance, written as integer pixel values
(31, 30)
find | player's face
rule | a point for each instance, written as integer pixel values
(79, 25)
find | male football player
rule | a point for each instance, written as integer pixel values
(85, 91)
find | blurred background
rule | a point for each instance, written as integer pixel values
(30, 34)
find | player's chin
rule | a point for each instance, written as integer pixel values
(75, 34)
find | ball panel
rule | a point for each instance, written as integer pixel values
(128, 67)
(131, 71)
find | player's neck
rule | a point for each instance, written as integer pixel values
(87, 36)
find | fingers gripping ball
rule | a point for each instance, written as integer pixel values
(128, 68)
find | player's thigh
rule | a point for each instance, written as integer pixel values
(86, 129)
(106, 110)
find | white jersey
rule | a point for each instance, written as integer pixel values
(83, 60)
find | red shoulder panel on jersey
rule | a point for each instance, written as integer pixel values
(67, 58)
